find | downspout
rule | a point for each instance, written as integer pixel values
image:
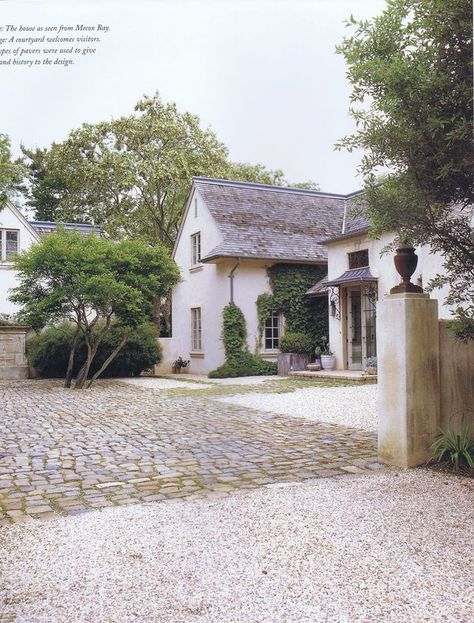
(231, 277)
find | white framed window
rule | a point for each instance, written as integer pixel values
(195, 248)
(196, 329)
(9, 243)
(272, 332)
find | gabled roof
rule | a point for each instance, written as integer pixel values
(260, 221)
(21, 217)
(353, 224)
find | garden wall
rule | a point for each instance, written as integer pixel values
(456, 370)
(13, 364)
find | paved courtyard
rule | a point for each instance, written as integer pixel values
(67, 452)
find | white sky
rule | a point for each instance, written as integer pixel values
(262, 74)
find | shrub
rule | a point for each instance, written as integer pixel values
(456, 448)
(371, 362)
(462, 327)
(48, 351)
(244, 364)
(297, 343)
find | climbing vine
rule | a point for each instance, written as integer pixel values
(239, 360)
(289, 284)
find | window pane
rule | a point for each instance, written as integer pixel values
(11, 246)
(359, 259)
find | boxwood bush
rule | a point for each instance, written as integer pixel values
(48, 351)
(300, 343)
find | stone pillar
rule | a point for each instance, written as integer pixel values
(408, 378)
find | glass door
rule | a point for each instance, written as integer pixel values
(354, 328)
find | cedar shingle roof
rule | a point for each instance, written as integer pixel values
(259, 221)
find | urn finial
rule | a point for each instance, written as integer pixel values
(405, 261)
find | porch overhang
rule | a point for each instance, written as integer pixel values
(353, 276)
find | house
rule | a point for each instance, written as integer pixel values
(230, 234)
(17, 234)
(359, 274)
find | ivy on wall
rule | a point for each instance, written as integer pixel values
(239, 360)
(289, 284)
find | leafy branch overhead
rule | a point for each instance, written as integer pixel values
(411, 75)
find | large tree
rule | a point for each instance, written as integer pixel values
(92, 282)
(131, 175)
(411, 75)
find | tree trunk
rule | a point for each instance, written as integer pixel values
(70, 364)
(109, 359)
(83, 372)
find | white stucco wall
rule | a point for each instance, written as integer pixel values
(382, 267)
(208, 287)
(9, 219)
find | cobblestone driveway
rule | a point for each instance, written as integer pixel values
(63, 451)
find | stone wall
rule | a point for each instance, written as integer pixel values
(456, 368)
(13, 364)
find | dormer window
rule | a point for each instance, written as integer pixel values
(196, 249)
(359, 259)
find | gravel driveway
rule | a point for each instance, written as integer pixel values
(386, 548)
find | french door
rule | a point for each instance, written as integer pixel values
(360, 326)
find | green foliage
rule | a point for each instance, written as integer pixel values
(10, 172)
(462, 328)
(297, 343)
(457, 448)
(371, 362)
(91, 281)
(181, 363)
(411, 75)
(289, 284)
(234, 331)
(131, 175)
(239, 361)
(48, 351)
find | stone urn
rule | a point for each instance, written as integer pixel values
(405, 261)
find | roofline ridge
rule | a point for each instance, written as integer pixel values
(56, 223)
(257, 185)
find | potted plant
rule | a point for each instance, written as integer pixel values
(371, 365)
(295, 352)
(328, 360)
(178, 364)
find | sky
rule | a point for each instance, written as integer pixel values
(261, 74)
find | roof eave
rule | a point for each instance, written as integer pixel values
(352, 234)
(210, 259)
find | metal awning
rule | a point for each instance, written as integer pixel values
(319, 288)
(355, 275)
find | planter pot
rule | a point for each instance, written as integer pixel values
(176, 370)
(371, 370)
(328, 362)
(292, 362)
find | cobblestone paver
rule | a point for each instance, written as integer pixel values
(65, 451)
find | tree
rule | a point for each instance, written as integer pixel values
(10, 172)
(411, 76)
(43, 188)
(91, 281)
(131, 175)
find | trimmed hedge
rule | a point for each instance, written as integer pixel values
(300, 343)
(48, 352)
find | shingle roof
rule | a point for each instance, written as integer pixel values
(320, 288)
(259, 221)
(354, 224)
